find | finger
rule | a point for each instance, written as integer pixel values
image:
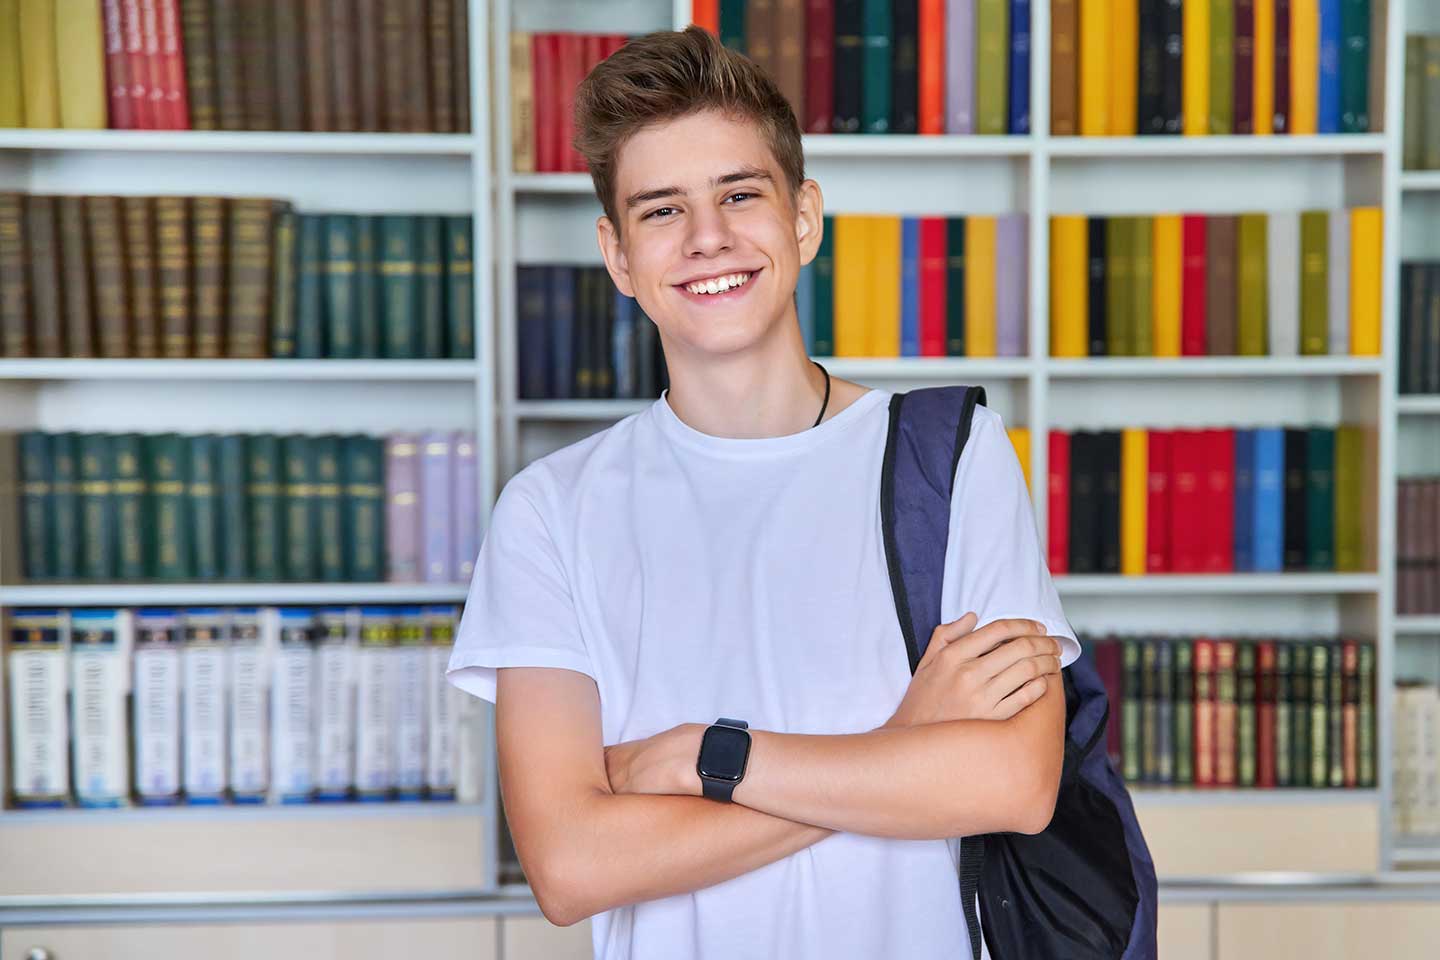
(998, 656)
(1018, 674)
(998, 631)
(946, 633)
(1020, 699)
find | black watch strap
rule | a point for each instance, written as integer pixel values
(722, 790)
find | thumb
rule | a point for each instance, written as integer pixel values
(945, 633)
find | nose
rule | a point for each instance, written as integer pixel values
(709, 233)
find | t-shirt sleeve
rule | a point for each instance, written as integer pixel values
(519, 611)
(994, 562)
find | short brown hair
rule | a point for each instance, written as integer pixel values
(671, 74)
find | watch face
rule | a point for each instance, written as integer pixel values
(723, 751)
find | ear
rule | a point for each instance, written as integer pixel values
(615, 260)
(809, 220)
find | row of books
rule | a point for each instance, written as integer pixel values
(1415, 806)
(1226, 500)
(1239, 711)
(206, 277)
(259, 507)
(161, 706)
(1197, 67)
(1420, 139)
(1283, 283)
(580, 337)
(370, 65)
(1417, 545)
(1420, 326)
(545, 71)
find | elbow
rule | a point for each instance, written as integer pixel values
(1041, 792)
(553, 884)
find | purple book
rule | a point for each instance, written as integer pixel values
(959, 66)
(1012, 281)
(402, 508)
(465, 490)
(437, 552)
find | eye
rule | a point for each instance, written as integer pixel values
(656, 211)
(740, 194)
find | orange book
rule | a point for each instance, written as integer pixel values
(1069, 286)
(852, 256)
(1264, 88)
(1365, 244)
(1196, 70)
(882, 319)
(980, 286)
(1225, 713)
(1134, 498)
(1124, 66)
(1304, 65)
(1095, 67)
(1204, 712)
(932, 66)
(1020, 440)
(706, 14)
(1166, 292)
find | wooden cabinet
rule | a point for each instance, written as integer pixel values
(535, 938)
(1328, 931)
(1186, 931)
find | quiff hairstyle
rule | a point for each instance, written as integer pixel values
(671, 74)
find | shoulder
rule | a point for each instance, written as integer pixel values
(547, 483)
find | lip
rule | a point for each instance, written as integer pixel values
(729, 296)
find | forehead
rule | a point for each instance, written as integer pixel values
(687, 152)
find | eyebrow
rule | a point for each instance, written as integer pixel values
(744, 173)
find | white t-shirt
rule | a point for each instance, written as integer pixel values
(695, 577)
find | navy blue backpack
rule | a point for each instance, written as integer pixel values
(1084, 888)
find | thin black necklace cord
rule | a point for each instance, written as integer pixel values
(826, 404)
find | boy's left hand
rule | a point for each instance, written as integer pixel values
(662, 764)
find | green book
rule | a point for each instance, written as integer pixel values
(36, 508)
(1349, 503)
(1284, 716)
(824, 298)
(1300, 715)
(234, 520)
(363, 470)
(430, 263)
(367, 286)
(1355, 66)
(1164, 711)
(1365, 716)
(1119, 295)
(1222, 65)
(1245, 748)
(1335, 698)
(955, 286)
(202, 487)
(1430, 95)
(1149, 704)
(1319, 716)
(992, 56)
(1130, 701)
(97, 508)
(1320, 498)
(65, 506)
(459, 288)
(732, 24)
(1315, 283)
(282, 305)
(876, 31)
(165, 455)
(1252, 339)
(1413, 149)
(399, 284)
(1142, 277)
(298, 489)
(1184, 711)
(310, 290)
(263, 503)
(134, 519)
(341, 337)
(328, 508)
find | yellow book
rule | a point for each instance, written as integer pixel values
(1167, 285)
(522, 103)
(1095, 67)
(979, 286)
(1020, 440)
(1195, 35)
(79, 40)
(39, 74)
(1365, 244)
(1304, 65)
(1069, 286)
(12, 101)
(851, 277)
(1264, 86)
(883, 318)
(1134, 494)
(1124, 66)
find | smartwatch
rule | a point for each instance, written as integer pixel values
(723, 751)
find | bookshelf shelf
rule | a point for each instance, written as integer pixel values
(1245, 146)
(1417, 624)
(577, 409)
(854, 146)
(564, 183)
(1417, 851)
(220, 594)
(1420, 181)
(1222, 583)
(1286, 796)
(192, 141)
(1418, 405)
(248, 813)
(155, 370)
(1164, 367)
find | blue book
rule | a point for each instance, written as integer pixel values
(910, 287)
(1268, 541)
(805, 306)
(1244, 500)
(1328, 103)
(560, 345)
(532, 317)
(622, 345)
(1019, 66)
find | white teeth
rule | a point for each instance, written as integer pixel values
(718, 284)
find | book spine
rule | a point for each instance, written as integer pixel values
(430, 270)
(1204, 732)
(1130, 712)
(340, 282)
(230, 78)
(399, 286)
(1246, 733)
(411, 657)
(402, 508)
(367, 58)
(133, 505)
(376, 699)
(167, 466)
(1243, 107)
(198, 40)
(292, 68)
(140, 260)
(117, 68)
(1319, 716)
(301, 559)
(203, 500)
(64, 506)
(156, 716)
(264, 499)
(251, 639)
(251, 237)
(1225, 714)
(210, 217)
(363, 474)
(1184, 711)
(459, 278)
(39, 726)
(442, 706)
(820, 60)
(97, 508)
(36, 506)
(284, 287)
(204, 686)
(336, 645)
(465, 488)
(319, 98)
(100, 683)
(292, 732)
(440, 57)
(234, 519)
(14, 279)
(44, 263)
(343, 66)
(172, 248)
(175, 102)
(1365, 716)
(436, 504)
(329, 508)
(77, 290)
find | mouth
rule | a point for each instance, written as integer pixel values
(726, 289)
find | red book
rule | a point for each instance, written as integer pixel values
(932, 286)
(1187, 461)
(1218, 516)
(137, 67)
(1058, 506)
(1265, 712)
(1192, 292)
(1110, 666)
(544, 55)
(117, 68)
(571, 69)
(1225, 713)
(1157, 503)
(706, 14)
(176, 110)
(932, 66)
(1204, 712)
(819, 65)
(154, 69)
(613, 42)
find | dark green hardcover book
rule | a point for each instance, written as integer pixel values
(430, 264)
(1222, 65)
(824, 297)
(328, 509)
(955, 286)
(1149, 697)
(1413, 142)
(171, 551)
(1320, 498)
(1355, 52)
(732, 24)
(1164, 711)
(849, 72)
(300, 520)
(134, 516)
(399, 282)
(1185, 711)
(1130, 744)
(1119, 294)
(202, 488)
(1315, 283)
(459, 288)
(341, 337)
(36, 507)
(1365, 716)
(367, 286)
(1319, 715)
(1335, 700)
(283, 343)
(875, 30)
(1252, 332)
(1245, 714)
(97, 508)
(1300, 714)
(1142, 281)
(1096, 295)
(1284, 716)
(310, 290)
(264, 487)
(362, 469)
(65, 506)
(234, 519)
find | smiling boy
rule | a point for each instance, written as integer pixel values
(719, 555)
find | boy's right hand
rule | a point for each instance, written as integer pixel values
(988, 674)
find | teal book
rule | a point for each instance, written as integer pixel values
(36, 473)
(134, 518)
(328, 508)
(298, 491)
(362, 472)
(166, 456)
(234, 522)
(1356, 49)
(459, 288)
(399, 283)
(824, 293)
(202, 489)
(310, 289)
(65, 506)
(430, 264)
(876, 31)
(367, 286)
(264, 506)
(341, 340)
(97, 508)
